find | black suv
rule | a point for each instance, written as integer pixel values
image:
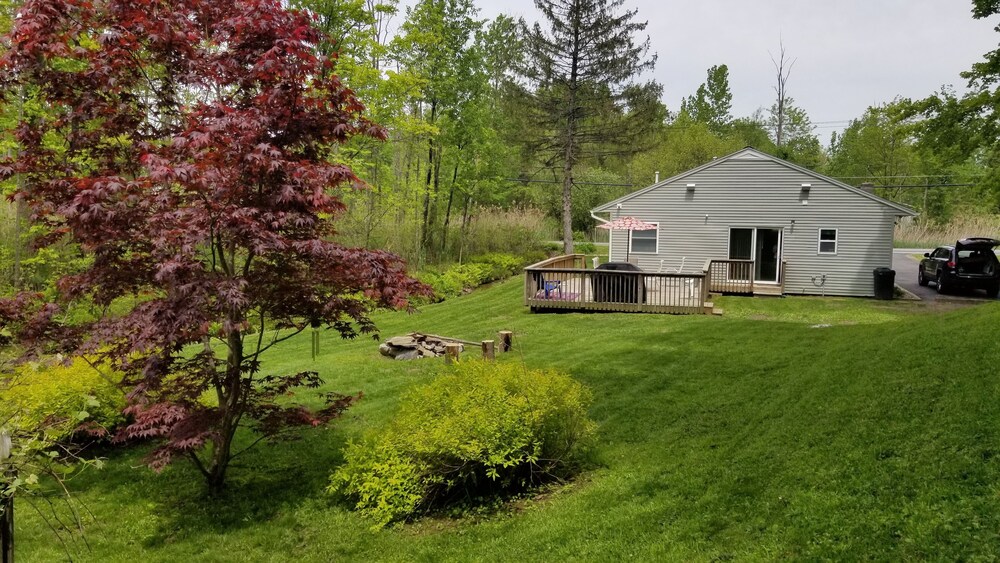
(970, 264)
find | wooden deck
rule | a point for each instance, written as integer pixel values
(565, 283)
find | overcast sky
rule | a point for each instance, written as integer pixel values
(849, 54)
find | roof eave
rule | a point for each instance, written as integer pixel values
(906, 211)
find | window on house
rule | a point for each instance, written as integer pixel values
(643, 241)
(828, 241)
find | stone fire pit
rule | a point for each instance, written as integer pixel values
(414, 346)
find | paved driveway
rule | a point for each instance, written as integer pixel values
(905, 263)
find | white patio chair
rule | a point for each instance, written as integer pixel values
(689, 283)
(663, 266)
(680, 270)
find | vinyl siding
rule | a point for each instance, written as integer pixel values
(755, 192)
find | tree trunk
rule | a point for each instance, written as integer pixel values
(425, 225)
(373, 198)
(19, 214)
(435, 192)
(465, 213)
(20, 211)
(429, 184)
(412, 169)
(466, 219)
(780, 89)
(567, 206)
(569, 148)
(230, 409)
(451, 198)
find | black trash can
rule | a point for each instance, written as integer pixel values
(610, 286)
(885, 283)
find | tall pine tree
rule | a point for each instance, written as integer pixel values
(585, 61)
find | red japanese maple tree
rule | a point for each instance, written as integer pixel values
(190, 147)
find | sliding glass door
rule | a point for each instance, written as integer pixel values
(762, 245)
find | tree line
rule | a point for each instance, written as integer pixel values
(557, 115)
(488, 117)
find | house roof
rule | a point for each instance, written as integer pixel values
(754, 154)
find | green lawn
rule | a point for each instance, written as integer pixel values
(756, 435)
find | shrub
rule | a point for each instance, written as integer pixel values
(500, 266)
(479, 270)
(60, 400)
(480, 431)
(454, 280)
(536, 256)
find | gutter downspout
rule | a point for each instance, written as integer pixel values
(609, 235)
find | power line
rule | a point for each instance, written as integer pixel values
(928, 186)
(904, 176)
(575, 183)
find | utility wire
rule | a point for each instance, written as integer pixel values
(904, 176)
(575, 183)
(526, 180)
(928, 186)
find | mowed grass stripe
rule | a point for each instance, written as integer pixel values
(750, 436)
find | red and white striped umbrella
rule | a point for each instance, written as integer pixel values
(628, 223)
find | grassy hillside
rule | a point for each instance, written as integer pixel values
(757, 435)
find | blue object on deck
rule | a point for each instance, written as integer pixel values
(549, 286)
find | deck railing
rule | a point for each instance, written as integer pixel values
(731, 276)
(736, 277)
(548, 285)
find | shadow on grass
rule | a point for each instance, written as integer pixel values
(266, 482)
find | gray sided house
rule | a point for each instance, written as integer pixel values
(805, 233)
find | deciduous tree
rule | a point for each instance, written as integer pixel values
(191, 148)
(779, 112)
(800, 144)
(436, 44)
(713, 101)
(962, 134)
(877, 148)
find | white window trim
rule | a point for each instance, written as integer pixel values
(656, 242)
(820, 241)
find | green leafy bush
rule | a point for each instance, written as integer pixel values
(479, 431)
(500, 266)
(454, 280)
(478, 271)
(535, 256)
(59, 400)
